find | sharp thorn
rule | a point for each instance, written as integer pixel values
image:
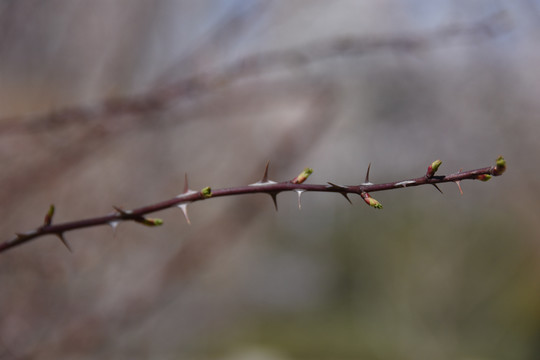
(458, 183)
(183, 207)
(436, 187)
(114, 226)
(63, 240)
(121, 211)
(337, 186)
(299, 192)
(346, 197)
(274, 199)
(265, 175)
(367, 173)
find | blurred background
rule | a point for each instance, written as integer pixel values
(111, 102)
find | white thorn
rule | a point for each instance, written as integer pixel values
(299, 192)
(183, 207)
(259, 183)
(114, 226)
(405, 183)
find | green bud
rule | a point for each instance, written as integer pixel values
(302, 176)
(432, 169)
(483, 177)
(500, 166)
(206, 192)
(151, 221)
(48, 217)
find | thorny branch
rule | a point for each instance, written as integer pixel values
(188, 87)
(264, 186)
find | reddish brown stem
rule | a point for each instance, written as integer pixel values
(264, 186)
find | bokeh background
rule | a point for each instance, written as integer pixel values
(111, 102)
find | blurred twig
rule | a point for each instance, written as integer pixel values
(192, 86)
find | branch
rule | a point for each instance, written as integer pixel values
(264, 186)
(158, 99)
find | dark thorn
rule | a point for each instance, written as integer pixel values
(436, 187)
(63, 240)
(120, 210)
(367, 173)
(274, 199)
(346, 197)
(265, 175)
(335, 186)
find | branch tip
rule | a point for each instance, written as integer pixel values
(500, 166)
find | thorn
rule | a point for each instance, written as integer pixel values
(299, 192)
(346, 197)
(458, 183)
(121, 211)
(336, 186)
(63, 240)
(265, 175)
(264, 180)
(367, 173)
(436, 187)
(274, 199)
(183, 207)
(114, 226)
